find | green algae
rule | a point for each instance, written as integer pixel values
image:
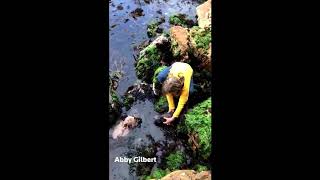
(198, 121)
(148, 62)
(200, 168)
(161, 104)
(175, 49)
(153, 28)
(175, 160)
(201, 37)
(178, 20)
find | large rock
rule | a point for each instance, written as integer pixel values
(204, 14)
(179, 43)
(188, 175)
(200, 42)
(197, 125)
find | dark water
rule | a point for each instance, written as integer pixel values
(124, 36)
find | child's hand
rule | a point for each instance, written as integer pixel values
(168, 120)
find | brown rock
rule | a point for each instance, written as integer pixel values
(204, 14)
(188, 175)
(180, 42)
(204, 175)
(180, 175)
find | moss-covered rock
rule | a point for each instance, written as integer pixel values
(200, 42)
(148, 62)
(197, 125)
(161, 105)
(153, 28)
(156, 174)
(138, 91)
(114, 106)
(152, 57)
(180, 20)
(200, 168)
(175, 160)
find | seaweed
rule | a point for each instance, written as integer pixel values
(175, 49)
(161, 105)
(198, 125)
(200, 168)
(148, 62)
(181, 20)
(153, 28)
(201, 37)
(175, 160)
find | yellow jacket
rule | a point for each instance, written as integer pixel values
(182, 70)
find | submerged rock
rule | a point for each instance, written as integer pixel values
(119, 7)
(140, 91)
(204, 14)
(179, 43)
(137, 13)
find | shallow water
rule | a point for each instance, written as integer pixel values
(123, 36)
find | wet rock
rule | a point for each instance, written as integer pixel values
(114, 107)
(159, 30)
(204, 14)
(119, 7)
(161, 42)
(150, 59)
(144, 151)
(162, 19)
(181, 20)
(126, 20)
(159, 11)
(153, 29)
(140, 91)
(200, 42)
(161, 105)
(179, 43)
(137, 13)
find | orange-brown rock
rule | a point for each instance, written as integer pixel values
(188, 175)
(180, 42)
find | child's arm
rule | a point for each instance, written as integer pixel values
(184, 94)
(170, 101)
